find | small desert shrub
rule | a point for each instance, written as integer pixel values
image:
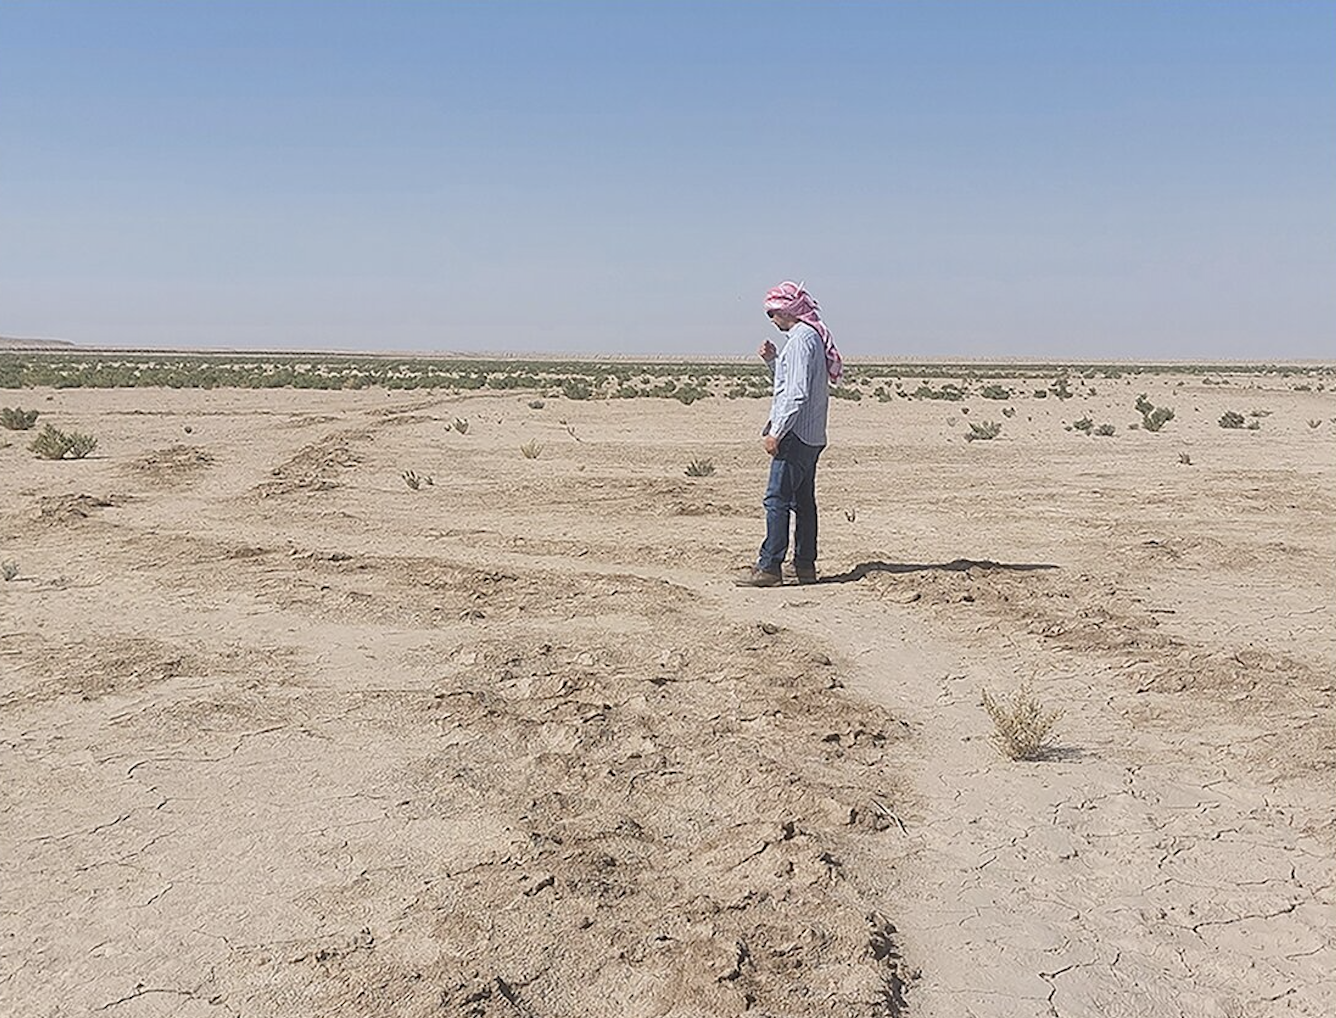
(1315, 424)
(416, 481)
(1185, 459)
(1008, 411)
(1022, 728)
(1085, 424)
(9, 570)
(54, 444)
(1231, 419)
(531, 449)
(1060, 390)
(536, 404)
(1104, 430)
(953, 393)
(688, 394)
(576, 388)
(700, 468)
(461, 424)
(16, 418)
(1153, 417)
(1157, 418)
(983, 432)
(995, 392)
(1253, 426)
(845, 392)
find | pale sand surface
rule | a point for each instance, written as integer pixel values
(281, 736)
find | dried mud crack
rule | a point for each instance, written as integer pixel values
(689, 821)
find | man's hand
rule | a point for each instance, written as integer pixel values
(766, 351)
(771, 445)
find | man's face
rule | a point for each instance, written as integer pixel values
(782, 321)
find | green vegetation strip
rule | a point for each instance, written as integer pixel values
(575, 379)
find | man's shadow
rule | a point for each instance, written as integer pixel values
(865, 569)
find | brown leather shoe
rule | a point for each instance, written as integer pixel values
(757, 577)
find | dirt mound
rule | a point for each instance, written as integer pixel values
(1094, 616)
(93, 666)
(316, 466)
(173, 465)
(69, 508)
(691, 818)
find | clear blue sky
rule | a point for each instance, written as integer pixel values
(1092, 179)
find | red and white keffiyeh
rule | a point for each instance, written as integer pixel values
(791, 299)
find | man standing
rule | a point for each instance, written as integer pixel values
(795, 434)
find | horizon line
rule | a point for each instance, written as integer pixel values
(10, 344)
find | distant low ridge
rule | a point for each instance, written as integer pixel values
(16, 343)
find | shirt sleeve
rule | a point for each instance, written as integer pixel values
(797, 383)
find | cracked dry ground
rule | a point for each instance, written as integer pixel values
(281, 736)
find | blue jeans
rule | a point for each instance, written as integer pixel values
(792, 490)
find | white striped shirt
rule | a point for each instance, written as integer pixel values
(802, 387)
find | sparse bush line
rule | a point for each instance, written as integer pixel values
(603, 378)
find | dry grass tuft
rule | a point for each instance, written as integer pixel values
(983, 432)
(415, 480)
(700, 468)
(1023, 729)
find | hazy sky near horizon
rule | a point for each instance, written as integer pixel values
(986, 178)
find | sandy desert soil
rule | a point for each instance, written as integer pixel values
(283, 736)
